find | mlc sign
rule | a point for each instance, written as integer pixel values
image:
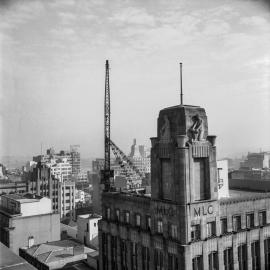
(203, 210)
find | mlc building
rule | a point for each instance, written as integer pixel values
(183, 225)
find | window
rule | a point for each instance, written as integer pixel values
(134, 256)
(148, 223)
(211, 229)
(242, 257)
(173, 231)
(124, 255)
(127, 220)
(223, 225)
(228, 259)
(87, 227)
(236, 223)
(172, 262)
(158, 258)
(114, 252)
(267, 253)
(213, 261)
(250, 220)
(160, 226)
(95, 224)
(117, 214)
(195, 232)
(108, 212)
(138, 220)
(255, 254)
(145, 258)
(197, 263)
(262, 218)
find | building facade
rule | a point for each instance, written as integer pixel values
(67, 199)
(182, 224)
(26, 220)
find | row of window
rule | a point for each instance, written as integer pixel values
(213, 263)
(237, 225)
(173, 230)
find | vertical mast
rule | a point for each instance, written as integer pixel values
(181, 87)
(107, 125)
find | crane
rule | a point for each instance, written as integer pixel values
(124, 162)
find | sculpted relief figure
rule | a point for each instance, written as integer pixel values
(165, 133)
(196, 130)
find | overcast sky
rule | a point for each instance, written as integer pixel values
(52, 69)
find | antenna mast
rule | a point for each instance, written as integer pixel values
(181, 87)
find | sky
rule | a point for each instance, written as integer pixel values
(52, 71)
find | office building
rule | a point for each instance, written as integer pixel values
(9, 187)
(257, 161)
(67, 199)
(26, 220)
(182, 225)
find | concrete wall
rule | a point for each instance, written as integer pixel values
(42, 227)
(71, 231)
(223, 188)
(43, 206)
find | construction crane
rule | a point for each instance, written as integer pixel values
(107, 174)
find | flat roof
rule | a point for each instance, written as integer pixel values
(10, 261)
(90, 216)
(23, 198)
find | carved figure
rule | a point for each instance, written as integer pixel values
(165, 133)
(196, 130)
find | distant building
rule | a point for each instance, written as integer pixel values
(26, 220)
(10, 261)
(60, 168)
(222, 178)
(97, 190)
(88, 229)
(8, 187)
(67, 199)
(257, 161)
(79, 196)
(56, 255)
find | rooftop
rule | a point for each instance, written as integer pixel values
(11, 261)
(23, 198)
(63, 251)
(90, 216)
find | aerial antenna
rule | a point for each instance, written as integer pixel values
(181, 86)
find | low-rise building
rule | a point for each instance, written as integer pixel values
(56, 255)
(26, 220)
(8, 187)
(88, 229)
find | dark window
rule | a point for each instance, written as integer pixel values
(236, 223)
(87, 227)
(228, 259)
(211, 229)
(195, 232)
(197, 263)
(113, 252)
(172, 262)
(134, 256)
(145, 258)
(250, 220)
(127, 219)
(242, 257)
(173, 231)
(108, 213)
(262, 218)
(255, 254)
(148, 223)
(158, 260)
(213, 261)
(159, 226)
(223, 226)
(138, 220)
(117, 214)
(267, 253)
(124, 255)
(105, 251)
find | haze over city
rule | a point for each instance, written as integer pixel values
(52, 70)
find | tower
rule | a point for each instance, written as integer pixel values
(183, 167)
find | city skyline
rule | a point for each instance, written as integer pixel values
(53, 69)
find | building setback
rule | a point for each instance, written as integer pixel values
(26, 220)
(182, 224)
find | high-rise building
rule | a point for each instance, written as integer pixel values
(182, 224)
(26, 220)
(67, 199)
